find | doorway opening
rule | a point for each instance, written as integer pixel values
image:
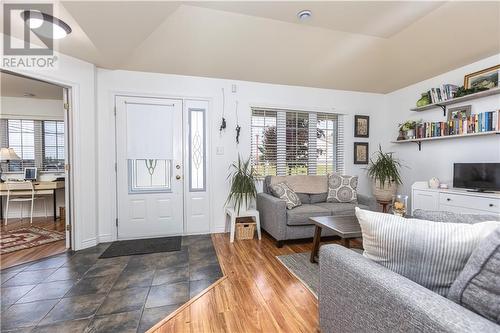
(34, 158)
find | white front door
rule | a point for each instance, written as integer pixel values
(149, 152)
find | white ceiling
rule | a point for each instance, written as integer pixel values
(363, 46)
(18, 86)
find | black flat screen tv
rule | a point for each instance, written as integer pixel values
(477, 176)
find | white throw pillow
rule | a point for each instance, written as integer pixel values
(429, 253)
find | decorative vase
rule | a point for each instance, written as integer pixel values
(424, 100)
(434, 183)
(402, 135)
(399, 205)
(410, 134)
(384, 193)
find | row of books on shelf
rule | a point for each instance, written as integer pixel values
(475, 123)
(443, 93)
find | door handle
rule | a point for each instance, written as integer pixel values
(178, 177)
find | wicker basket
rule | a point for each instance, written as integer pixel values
(245, 230)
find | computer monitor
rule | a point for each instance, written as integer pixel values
(30, 173)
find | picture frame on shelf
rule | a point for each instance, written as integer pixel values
(486, 78)
(361, 153)
(459, 112)
(361, 126)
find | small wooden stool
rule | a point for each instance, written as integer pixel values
(385, 205)
(233, 215)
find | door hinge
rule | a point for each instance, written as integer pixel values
(66, 106)
(68, 227)
(116, 222)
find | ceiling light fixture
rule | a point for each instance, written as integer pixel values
(45, 25)
(304, 14)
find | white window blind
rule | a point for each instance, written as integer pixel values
(286, 142)
(38, 143)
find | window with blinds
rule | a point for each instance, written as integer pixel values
(286, 142)
(38, 143)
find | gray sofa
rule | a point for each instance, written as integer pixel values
(359, 295)
(286, 224)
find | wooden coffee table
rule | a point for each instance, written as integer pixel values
(347, 227)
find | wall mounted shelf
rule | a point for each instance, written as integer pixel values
(420, 140)
(443, 104)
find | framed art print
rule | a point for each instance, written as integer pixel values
(360, 152)
(361, 126)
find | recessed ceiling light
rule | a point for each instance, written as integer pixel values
(45, 25)
(304, 14)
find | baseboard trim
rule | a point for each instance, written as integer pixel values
(88, 243)
(106, 238)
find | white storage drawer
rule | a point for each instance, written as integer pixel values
(470, 202)
(426, 200)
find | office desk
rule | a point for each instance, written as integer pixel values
(41, 188)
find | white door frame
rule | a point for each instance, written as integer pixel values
(72, 91)
(112, 99)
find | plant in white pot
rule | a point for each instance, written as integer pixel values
(243, 191)
(384, 172)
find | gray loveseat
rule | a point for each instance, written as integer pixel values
(286, 224)
(359, 295)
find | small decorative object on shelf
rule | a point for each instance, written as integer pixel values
(434, 183)
(443, 186)
(462, 91)
(424, 100)
(408, 128)
(399, 205)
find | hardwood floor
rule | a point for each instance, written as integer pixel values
(37, 252)
(258, 295)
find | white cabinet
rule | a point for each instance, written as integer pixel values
(454, 200)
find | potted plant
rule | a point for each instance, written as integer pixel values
(383, 169)
(242, 178)
(408, 127)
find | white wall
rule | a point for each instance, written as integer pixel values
(80, 76)
(437, 157)
(31, 108)
(249, 93)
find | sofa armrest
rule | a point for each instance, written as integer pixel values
(359, 295)
(272, 213)
(367, 201)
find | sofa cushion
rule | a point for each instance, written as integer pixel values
(342, 188)
(318, 197)
(441, 216)
(283, 191)
(302, 183)
(429, 253)
(305, 198)
(341, 208)
(300, 215)
(477, 287)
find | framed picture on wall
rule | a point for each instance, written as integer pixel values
(486, 78)
(361, 126)
(361, 153)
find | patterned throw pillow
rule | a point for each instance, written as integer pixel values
(342, 188)
(283, 191)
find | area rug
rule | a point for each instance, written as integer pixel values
(307, 272)
(142, 246)
(25, 238)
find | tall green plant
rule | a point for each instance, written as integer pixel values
(242, 178)
(384, 167)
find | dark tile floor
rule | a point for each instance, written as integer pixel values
(77, 292)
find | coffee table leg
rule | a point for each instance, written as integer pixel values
(346, 242)
(316, 240)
